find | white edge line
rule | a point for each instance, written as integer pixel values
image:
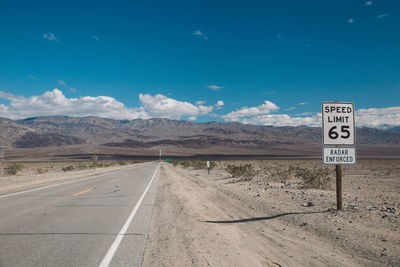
(111, 251)
(68, 182)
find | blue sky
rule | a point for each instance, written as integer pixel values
(260, 62)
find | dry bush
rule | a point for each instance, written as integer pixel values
(280, 173)
(68, 168)
(196, 164)
(246, 171)
(81, 166)
(185, 164)
(40, 170)
(318, 178)
(174, 163)
(13, 168)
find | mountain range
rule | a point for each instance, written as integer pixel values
(56, 137)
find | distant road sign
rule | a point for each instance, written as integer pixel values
(335, 155)
(1, 152)
(338, 123)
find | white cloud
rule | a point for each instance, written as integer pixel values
(265, 108)
(73, 90)
(290, 108)
(215, 87)
(381, 16)
(284, 120)
(203, 110)
(378, 116)
(32, 77)
(55, 103)
(368, 3)
(372, 117)
(305, 114)
(95, 37)
(61, 82)
(3, 109)
(200, 34)
(202, 102)
(162, 106)
(350, 20)
(303, 103)
(219, 104)
(49, 36)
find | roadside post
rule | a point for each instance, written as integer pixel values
(160, 156)
(208, 167)
(94, 162)
(338, 138)
(1, 154)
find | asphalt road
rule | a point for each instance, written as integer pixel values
(102, 220)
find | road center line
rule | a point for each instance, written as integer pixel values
(82, 192)
(111, 251)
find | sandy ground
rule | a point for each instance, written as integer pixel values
(217, 220)
(29, 178)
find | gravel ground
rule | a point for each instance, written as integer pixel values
(219, 220)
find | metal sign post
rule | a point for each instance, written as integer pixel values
(94, 162)
(1, 154)
(338, 134)
(339, 201)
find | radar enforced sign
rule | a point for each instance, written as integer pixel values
(338, 123)
(334, 155)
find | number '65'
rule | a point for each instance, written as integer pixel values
(344, 130)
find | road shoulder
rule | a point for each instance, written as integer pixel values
(197, 222)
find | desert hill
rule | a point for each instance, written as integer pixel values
(61, 135)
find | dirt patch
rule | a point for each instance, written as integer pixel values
(218, 220)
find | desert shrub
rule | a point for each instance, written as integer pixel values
(246, 171)
(197, 164)
(122, 163)
(292, 169)
(174, 163)
(40, 170)
(97, 165)
(317, 178)
(13, 168)
(68, 168)
(213, 164)
(81, 166)
(185, 164)
(281, 173)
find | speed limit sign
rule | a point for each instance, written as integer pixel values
(338, 123)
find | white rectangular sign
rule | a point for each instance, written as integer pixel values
(335, 155)
(338, 123)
